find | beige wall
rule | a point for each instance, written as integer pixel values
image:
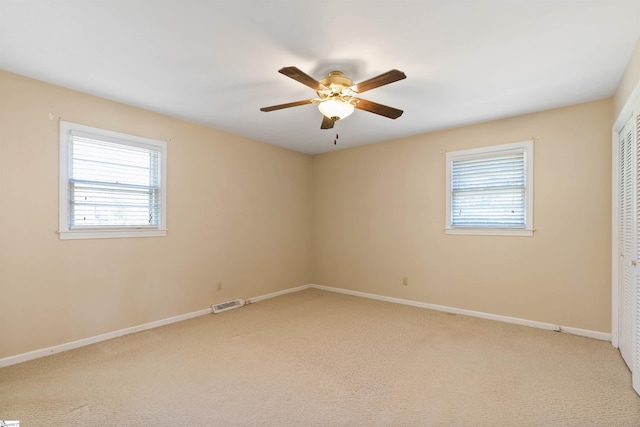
(379, 215)
(239, 212)
(629, 80)
(262, 219)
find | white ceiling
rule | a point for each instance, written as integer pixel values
(216, 62)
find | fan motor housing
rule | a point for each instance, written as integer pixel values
(336, 81)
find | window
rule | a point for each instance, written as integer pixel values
(111, 184)
(490, 190)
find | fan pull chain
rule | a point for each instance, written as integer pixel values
(334, 141)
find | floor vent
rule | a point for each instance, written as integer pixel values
(229, 305)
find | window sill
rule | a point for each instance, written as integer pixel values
(490, 231)
(110, 234)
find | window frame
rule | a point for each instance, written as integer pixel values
(488, 152)
(100, 232)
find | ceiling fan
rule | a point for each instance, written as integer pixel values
(338, 96)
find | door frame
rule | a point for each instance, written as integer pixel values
(621, 120)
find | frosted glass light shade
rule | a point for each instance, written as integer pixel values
(335, 108)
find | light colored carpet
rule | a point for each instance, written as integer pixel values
(316, 358)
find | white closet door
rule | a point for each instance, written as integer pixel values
(627, 244)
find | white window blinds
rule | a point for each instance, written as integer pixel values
(489, 190)
(112, 183)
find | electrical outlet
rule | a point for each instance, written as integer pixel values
(405, 281)
(219, 286)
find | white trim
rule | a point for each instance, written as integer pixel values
(12, 360)
(277, 294)
(604, 336)
(490, 231)
(615, 250)
(625, 113)
(527, 147)
(24, 357)
(110, 234)
(64, 232)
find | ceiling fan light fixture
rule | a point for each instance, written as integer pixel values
(338, 97)
(335, 109)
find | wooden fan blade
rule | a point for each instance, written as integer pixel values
(383, 110)
(290, 104)
(327, 123)
(300, 76)
(381, 80)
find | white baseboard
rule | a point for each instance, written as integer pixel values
(277, 294)
(12, 360)
(604, 336)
